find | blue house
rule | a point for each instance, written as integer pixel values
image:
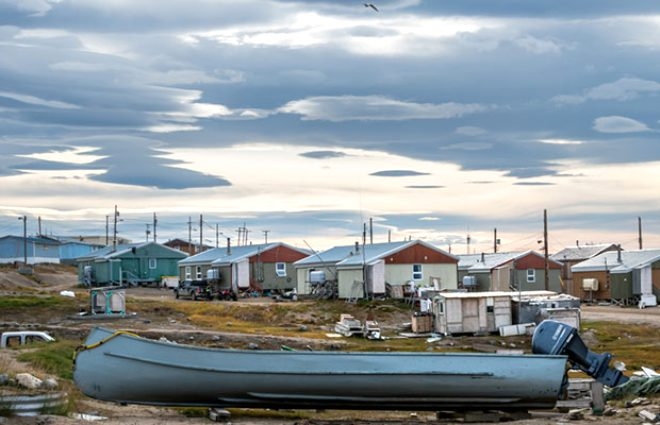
(70, 250)
(16, 249)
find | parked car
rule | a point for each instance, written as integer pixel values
(194, 289)
(16, 338)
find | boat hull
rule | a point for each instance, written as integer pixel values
(129, 369)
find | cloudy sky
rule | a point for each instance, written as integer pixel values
(306, 119)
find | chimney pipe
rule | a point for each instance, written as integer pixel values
(357, 247)
(618, 253)
(483, 257)
(228, 246)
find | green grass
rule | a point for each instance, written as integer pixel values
(55, 358)
(8, 302)
(634, 345)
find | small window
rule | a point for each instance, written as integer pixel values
(153, 263)
(188, 271)
(280, 269)
(417, 272)
(531, 275)
(198, 272)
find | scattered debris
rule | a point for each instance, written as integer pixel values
(649, 416)
(349, 326)
(87, 417)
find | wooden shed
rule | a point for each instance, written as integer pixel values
(471, 312)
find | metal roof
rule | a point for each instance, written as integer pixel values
(487, 262)
(109, 252)
(581, 252)
(349, 256)
(614, 263)
(227, 255)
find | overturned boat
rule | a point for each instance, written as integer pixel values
(125, 368)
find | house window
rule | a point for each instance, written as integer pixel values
(153, 263)
(188, 271)
(531, 275)
(417, 272)
(280, 269)
(198, 272)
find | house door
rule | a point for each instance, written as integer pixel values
(241, 274)
(376, 278)
(470, 315)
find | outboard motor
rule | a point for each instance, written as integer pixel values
(556, 338)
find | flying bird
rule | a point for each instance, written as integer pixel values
(371, 5)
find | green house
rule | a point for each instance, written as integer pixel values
(129, 264)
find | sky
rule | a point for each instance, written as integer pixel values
(308, 121)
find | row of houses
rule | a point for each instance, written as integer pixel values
(590, 272)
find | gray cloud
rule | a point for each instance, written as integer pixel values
(323, 154)
(624, 89)
(398, 173)
(374, 108)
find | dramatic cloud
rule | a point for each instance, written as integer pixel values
(294, 114)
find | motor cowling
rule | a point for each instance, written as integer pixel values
(556, 338)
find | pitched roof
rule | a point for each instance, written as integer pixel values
(582, 252)
(348, 256)
(487, 262)
(32, 239)
(224, 256)
(610, 261)
(109, 252)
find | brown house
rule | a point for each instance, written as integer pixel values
(185, 246)
(573, 255)
(621, 277)
(524, 271)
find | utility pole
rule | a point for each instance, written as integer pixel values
(39, 221)
(201, 240)
(155, 223)
(107, 230)
(371, 231)
(190, 235)
(114, 237)
(545, 249)
(147, 232)
(639, 231)
(468, 244)
(24, 218)
(495, 241)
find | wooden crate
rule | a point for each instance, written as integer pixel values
(422, 323)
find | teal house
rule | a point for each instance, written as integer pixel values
(129, 264)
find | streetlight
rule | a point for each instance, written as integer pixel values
(24, 218)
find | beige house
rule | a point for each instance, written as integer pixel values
(366, 270)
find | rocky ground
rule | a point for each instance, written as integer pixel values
(53, 280)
